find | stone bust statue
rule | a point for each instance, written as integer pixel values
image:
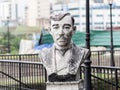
(63, 59)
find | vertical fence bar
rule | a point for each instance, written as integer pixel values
(116, 79)
(80, 73)
(111, 75)
(20, 72)
(98, 58)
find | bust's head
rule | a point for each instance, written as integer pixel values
(62, 28)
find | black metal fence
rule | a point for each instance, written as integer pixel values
(22, 75)
(102, 58)
(25, 72)
(104, 78)
(99, 58)
(21, 57)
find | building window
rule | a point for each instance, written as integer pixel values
(77, 24)
(118, 22)
(83, 15)
(99, 1)
(99, 15)
(73, 8)
(112, 15)
(90, 15)
(10, 9)
(97, 23)
(75, 15)
(109, 23)
(83, 8)
(83, 23)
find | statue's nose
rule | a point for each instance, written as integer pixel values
(61, 32)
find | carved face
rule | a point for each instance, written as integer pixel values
(62, 31)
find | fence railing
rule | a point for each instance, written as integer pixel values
(104, 78)
(22, 75)
(102, 58)
(21, 71)
(21, 57)
(99, 58)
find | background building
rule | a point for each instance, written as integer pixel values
(8, 9)
(99, 14)
(14, 9)
(25, 12)
(38, 12)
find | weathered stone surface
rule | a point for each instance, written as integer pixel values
(74, 85)
(65, 65)
(63, 59)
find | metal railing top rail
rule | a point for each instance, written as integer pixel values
(105, 67)
(17, 54)
(23, 62)
(102, 50)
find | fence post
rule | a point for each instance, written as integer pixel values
(116, 79)
(20, 72)
(88, 85)
(87, 81)
(98, 58)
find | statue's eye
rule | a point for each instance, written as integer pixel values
(55, 27)
(66, 27)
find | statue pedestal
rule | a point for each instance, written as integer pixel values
(73, 85)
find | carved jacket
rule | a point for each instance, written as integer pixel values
(78, 56)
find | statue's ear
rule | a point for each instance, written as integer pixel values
(74, 29)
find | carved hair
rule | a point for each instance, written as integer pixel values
(60, 15)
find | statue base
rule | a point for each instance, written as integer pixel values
(73, 85)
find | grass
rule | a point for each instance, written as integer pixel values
(26, 80)
(100, 75)
(104, 82)
(103, 76)
(101, 85)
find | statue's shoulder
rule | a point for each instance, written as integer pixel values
(46, 52)
(80, 49)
